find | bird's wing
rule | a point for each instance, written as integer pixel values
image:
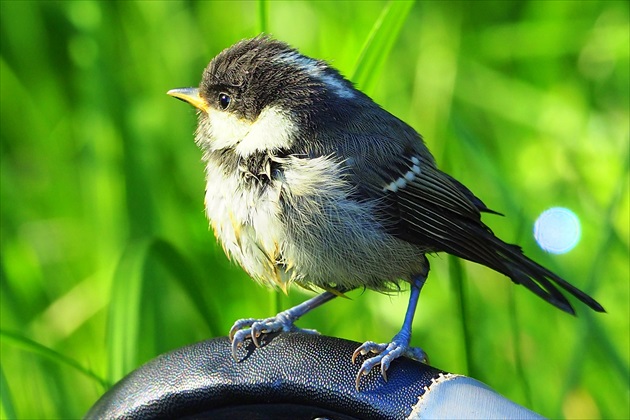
(425, 206)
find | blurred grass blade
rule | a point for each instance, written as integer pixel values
(609, 233)
(125, 314)
(379, 43)
(593, 327)
(124, 311)
(456, 276)
(6, 408)
(516, 329)
(189, 281)
(472, 145)
(263, 13)
(43, 351)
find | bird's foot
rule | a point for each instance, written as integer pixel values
(254, 328)
(284, 321)
(385, 354)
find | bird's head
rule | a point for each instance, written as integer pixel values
(261, 94)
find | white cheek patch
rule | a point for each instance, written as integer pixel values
(409, 176)
(272, 130)
(227, 129)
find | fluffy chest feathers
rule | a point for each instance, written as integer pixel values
(243, 190)
(273, 214)
(288, 217)
(242, 203)
(301, 224)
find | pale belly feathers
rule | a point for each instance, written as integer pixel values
(303, 227)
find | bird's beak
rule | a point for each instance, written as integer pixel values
(190, 95)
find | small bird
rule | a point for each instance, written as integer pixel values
(311, 182)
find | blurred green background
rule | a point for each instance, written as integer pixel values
(107, 259)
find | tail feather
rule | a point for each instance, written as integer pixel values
(542, 288)
(540, 280)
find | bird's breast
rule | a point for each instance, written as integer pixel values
(245, 215)
(304, 225)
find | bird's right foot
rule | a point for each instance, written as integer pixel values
(283, 322)
(254, 328)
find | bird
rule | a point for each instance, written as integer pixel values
(309, 182)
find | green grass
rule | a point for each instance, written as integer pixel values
(107, 259)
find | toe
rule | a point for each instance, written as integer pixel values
(368, 347)
(366, 367)
(385, 354)
(259, 329)
(416, 353)
(239, 325)
(237, 341)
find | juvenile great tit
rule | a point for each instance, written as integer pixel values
(311, 182)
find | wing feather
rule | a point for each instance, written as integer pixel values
(420, 204)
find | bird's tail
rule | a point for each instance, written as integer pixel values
(522, 270)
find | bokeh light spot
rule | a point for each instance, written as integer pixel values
(557, 230)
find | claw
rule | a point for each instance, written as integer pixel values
(239, 325)
(384, 366)
(416, 353)
(386, 353)
(237, 341)
(367, 347)
(233, 331)
(358, 380)
(255, 328)
(257, 331)
(354, 356)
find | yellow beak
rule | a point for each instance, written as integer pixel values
(190, 95)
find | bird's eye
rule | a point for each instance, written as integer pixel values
(224, 100)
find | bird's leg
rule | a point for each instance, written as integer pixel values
(399, 346)
(284, 321)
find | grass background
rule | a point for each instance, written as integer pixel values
(107, 260)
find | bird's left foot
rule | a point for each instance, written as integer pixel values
(255, 328)
(385, 353)
(283, 322)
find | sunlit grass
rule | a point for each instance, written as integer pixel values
(107, 259)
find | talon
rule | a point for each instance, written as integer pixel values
(366, 366)
(239, 325)
(255, 335)
(358, 381)
(255, 328)
(384, 367)
(232, 332)
(355, 355)
(385, 354)
(418, 354)
(363, 371)
(235, 345)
